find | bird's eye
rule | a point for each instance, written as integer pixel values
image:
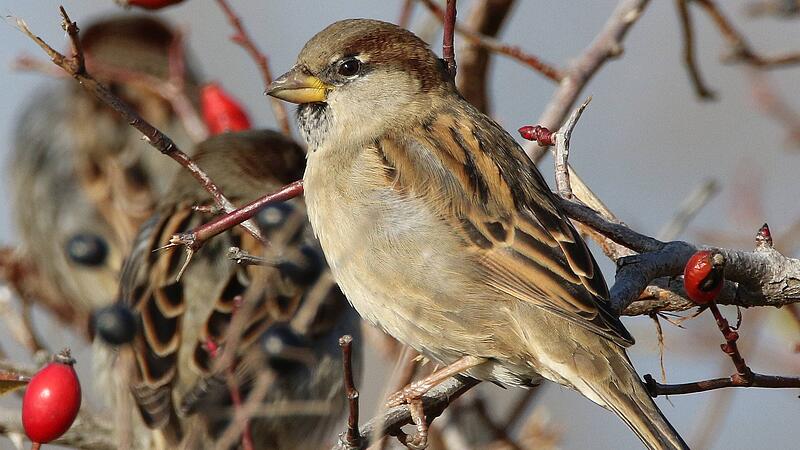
(349, 67)
(87, 249)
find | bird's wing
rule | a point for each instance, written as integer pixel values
(478, 178)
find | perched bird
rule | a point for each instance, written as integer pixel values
(441, 231)
(223, 329)
(82, 178)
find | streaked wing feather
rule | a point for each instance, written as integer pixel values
(506, 214)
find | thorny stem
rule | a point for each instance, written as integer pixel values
(195, 238)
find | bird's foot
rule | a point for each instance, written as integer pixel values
(419, 441)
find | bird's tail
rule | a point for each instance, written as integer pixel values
(628, 398)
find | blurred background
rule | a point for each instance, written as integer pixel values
(644, 144)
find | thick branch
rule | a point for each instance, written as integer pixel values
(763, 277)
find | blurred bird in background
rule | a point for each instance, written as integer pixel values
(82, 178)
(265, 333)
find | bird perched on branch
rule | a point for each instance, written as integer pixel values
(441, 231)
(83, 179)
(267, 334)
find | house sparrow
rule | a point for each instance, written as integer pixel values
(223, 324)
(82, 178)
(440, 230)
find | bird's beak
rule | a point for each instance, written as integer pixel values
(298, 87)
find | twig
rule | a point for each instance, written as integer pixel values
(242, 38)
(249, 409)
(74, 65)
(404, 369)
(562, 138)
(729, 347)
(774, 105)
(688, 52)
(434, 402)
(517, 411)
(777, 8)
(448, 50)
(352, 438)
(486, 17)
(688, 209)
(405, 13)
(757, 380)
(497, 46)
(246, 259)
(740, 48)
(607, 45)
(195, 238)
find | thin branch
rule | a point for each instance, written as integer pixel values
(774, 105)
(562, 138)
(497, 46)
(689, 59)
(434, 402)
(777, 8)
(351, 439)
(486, 17)
(448, 50)
(689, 208)
(758, 380)
(607, 45)
(74, 65)
(242, 37)
(405, 13)
(740, 49)
(195, 238)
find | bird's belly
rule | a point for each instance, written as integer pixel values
(394, 261)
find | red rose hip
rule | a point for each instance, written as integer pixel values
(52, 400)
(221, 112)
(703, 276)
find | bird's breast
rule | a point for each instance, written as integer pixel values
(399, 264)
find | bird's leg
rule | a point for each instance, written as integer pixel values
(417, 389)
(412, 395)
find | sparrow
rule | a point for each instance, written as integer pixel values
(198, 340)
(82, 179)
(441, 231)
